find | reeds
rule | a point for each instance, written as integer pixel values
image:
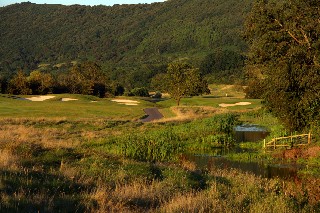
(109, 166)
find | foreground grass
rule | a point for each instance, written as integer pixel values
(62, 165)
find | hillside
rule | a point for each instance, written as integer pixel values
(142, 38)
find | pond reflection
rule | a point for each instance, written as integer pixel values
(209, 162)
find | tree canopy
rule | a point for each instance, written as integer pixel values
(183, 80)
(284, 38)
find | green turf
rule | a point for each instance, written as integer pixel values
(91, 107)
(82, 108)
(213, 102)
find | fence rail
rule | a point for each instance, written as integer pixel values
(289, 142)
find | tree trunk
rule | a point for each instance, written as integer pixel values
(178, 101)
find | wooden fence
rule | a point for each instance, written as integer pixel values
(288, 142)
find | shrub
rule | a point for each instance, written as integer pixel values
(155, 146)
(142, 92)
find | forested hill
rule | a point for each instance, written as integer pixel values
(121, 35)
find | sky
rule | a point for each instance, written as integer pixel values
(81, 2)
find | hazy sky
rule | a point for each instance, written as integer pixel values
(81, 2)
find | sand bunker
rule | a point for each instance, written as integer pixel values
(126, 102)
(129, 104)
(68, 99)
(236, 104)
(40, 98)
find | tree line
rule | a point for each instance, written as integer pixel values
(85, 78)
(180, 80)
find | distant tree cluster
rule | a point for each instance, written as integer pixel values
(180, 80)
(86, 78)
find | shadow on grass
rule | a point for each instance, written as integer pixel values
(154, 100)
(218, 96)
(32, 191)
(197, 180)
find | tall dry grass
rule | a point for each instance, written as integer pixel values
(137, 196)
(8, 160)
(14, 132)
(86, 177)
(192, 112)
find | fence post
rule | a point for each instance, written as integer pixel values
(274, 143)
(264, 143)
(309, 138)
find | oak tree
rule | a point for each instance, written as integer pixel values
(284, 39)
(184, 80)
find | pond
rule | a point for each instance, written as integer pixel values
(209, 162)
(250, 133)
(244, 133)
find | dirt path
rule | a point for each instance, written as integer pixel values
(153, 114)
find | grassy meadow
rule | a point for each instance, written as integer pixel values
(84, 156)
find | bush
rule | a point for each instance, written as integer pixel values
(157, 95)
(142, 92)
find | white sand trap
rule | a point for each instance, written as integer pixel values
(131, 104)
(125, 101)
(68, 99)
(40, 98)
(236, 104)
(93, 101)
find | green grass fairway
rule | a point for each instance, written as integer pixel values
(213, 102)
(91, 107)
(220, 93)
(83, 108)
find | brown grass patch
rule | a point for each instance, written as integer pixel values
(191, 202)
(192, 112)
(8, 160)
(138, 196)
(18, 131)
(311, 152)
(295, 153)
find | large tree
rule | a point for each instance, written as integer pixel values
(184, 80)
(40, 83)
(86, 78)
(284, 38)
(18, 85)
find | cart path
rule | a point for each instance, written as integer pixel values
(153, 114)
